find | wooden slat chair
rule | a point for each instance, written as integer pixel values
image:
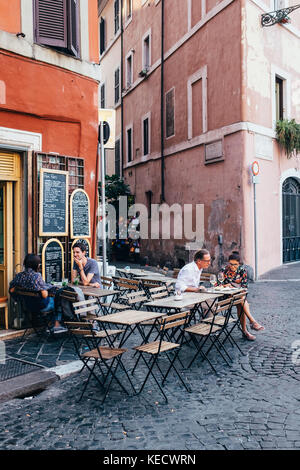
(208, 329)
(175, 272)
(88, 310)
(107, 282)
(34, 320)
(125, 286)
(105, 359)
(163, 345)
(158, 292)
(234, 321)
(150, 284)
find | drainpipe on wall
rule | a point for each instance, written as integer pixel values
(162, 197)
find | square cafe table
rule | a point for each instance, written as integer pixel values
(131, 320)
(98, 292)
(189, 299)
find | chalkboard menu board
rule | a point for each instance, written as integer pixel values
(53, 202)
(53, 261)
(80, 214)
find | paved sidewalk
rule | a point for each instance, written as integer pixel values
(252, 405)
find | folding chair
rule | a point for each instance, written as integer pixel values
(105, 359)
(163, 344)
(158, 292)
(175, 272)
(107, 282)
(38, 321)
(126, 285)
(210, 330)
(233, 322)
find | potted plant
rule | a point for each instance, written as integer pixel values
(288, 136)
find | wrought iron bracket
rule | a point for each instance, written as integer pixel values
(278, 16)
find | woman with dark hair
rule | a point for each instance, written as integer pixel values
(31, 279)
(235, 275)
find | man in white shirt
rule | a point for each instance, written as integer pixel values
(188, 278)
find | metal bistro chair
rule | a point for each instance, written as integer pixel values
(88, 310)
(163, 345)
(107, 282)
(125, 286)
(205, 331)
(35, 320)
(102, 362)
(234, 321)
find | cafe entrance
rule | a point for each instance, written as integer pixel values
(10, 208)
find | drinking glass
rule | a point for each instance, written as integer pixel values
(212, 279)
(221, 277)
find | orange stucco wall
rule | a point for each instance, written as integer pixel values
(59, 104)
(10, 15)
(93, 31)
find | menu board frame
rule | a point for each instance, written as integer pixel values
(41, 231)
(44, 261)
(71, 215)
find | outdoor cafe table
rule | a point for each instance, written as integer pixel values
(98, 292)
(157, 277)
(189, 299)
(131, 319)
(133, 272)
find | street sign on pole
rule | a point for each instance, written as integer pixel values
(108, 117)
(255, 181)
(106, 140)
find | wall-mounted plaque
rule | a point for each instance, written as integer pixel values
(53, 202)
(87, 246)
(214, 151)
(80, 214)
(53, 261)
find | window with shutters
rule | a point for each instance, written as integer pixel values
(129, 142)
(117, 157)
(117, 15)
(146, 134)
(117, 85)
(129, 69)
(56, 24)
(170, 113)
(102, 96)
(102, 35)
(146, 48)
(279, 97)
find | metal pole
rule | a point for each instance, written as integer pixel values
(102, 163)
(255, 230)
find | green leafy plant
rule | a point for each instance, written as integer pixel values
(288, 136)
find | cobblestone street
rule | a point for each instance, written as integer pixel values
(252, 405)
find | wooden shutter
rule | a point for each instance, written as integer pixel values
(51, 22)
(117, 157)
(117, 15)
(102, 35)
(73, 26)
(117, 85)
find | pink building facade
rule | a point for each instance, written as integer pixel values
(203, 85)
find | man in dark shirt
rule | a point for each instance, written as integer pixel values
(86, 268)
(32, 280)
